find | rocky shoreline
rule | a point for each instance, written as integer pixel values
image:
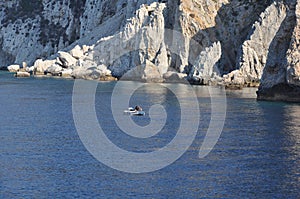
(279, 92)
(76, 65)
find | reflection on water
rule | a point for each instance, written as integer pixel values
(41, 155)
(246, 93)
(292, 131)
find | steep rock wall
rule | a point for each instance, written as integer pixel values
(280, 79)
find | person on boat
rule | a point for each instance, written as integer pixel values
(138, 108)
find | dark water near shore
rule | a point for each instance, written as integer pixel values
(41, 155)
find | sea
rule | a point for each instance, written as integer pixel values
(50, 148)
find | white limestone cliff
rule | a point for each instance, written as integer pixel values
(256, 49)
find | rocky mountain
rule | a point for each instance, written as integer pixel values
(233, 42)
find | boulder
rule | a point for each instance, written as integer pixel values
(54, 69)
(234, 80)
(67, 73)
(77, 52)
(22, 74)
(13, 68)
(86, 63)
(85, 49)
(67, 60)
(41, 66)
(93, 73)
(104, 70)
(88, 74)
(206, 64)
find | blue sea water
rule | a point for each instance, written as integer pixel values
(42, 156)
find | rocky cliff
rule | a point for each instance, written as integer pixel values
(281, 77)
(232, 42)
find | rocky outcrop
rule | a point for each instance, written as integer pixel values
(93, 73)
(206, 68)
(280, 80)
(138, 52)
(140, 43)
(22, 74)
(256, 49)
(13, 68)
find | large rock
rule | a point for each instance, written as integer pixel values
(87, 63)
(22, 74)
(66, 73)
(41, 66)
(54, 69)
(93, 73)
(77, 52)
(88, 74)
(206, 65)
(13, 68)
(67, 60)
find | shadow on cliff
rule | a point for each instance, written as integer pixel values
(230, 31)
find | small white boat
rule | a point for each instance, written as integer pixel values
(132, 111)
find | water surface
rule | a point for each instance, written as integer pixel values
(41, 155)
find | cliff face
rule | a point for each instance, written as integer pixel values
(32, 29)
(281, 78)
(232, 42)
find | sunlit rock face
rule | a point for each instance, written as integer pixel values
(231, 42)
